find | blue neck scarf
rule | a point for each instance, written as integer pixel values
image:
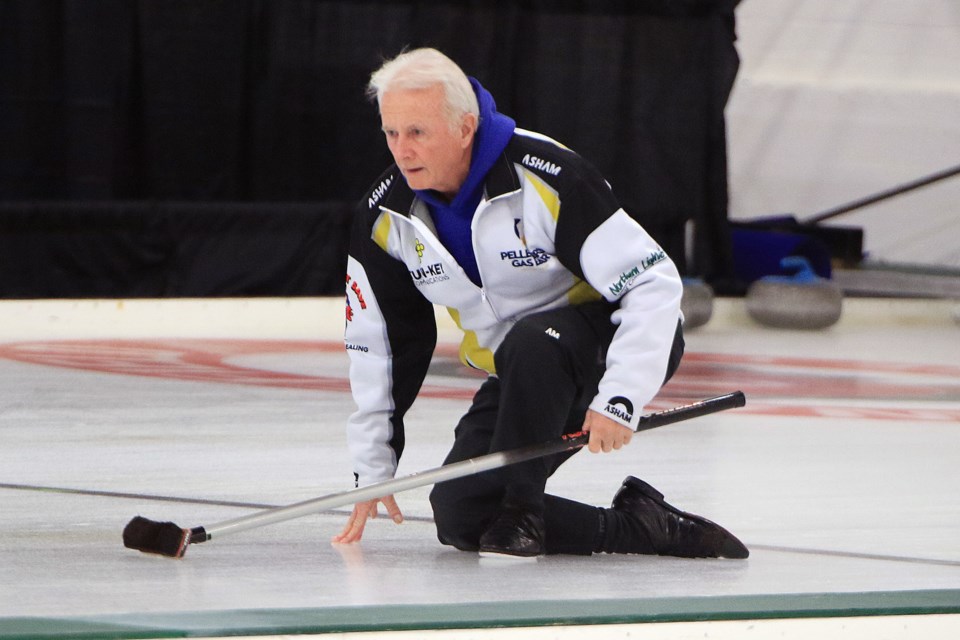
(452, 219)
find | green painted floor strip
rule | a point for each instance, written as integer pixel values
(480, 615)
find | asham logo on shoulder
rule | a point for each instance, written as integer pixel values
(541, 165)
(378, 192)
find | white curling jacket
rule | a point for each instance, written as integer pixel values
(547, 233)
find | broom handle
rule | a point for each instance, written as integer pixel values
(455, 470)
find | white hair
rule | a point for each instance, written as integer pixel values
(422, 69)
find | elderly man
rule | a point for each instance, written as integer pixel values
(564, 300)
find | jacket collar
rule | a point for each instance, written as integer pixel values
(501, 180)
(400, 197)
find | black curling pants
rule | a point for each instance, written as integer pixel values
(548, 369)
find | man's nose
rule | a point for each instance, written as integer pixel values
(401, 147)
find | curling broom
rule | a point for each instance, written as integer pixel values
(171, 540)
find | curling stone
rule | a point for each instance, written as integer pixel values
(803, 300)
(697, 303)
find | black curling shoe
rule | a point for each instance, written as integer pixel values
(516, 533)
(671, 532)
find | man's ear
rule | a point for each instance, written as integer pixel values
(468, 129)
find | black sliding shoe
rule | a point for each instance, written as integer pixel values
(672, 532)
(516, 533)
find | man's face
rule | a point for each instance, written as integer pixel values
(430, 155)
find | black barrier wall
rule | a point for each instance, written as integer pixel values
(122, 122)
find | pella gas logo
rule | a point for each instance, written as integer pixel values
(526, 257)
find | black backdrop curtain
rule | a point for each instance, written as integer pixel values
(261, 101)
(171, 249)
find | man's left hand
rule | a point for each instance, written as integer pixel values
(605, 434)
(353, 530)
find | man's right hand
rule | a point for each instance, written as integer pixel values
(353, 530)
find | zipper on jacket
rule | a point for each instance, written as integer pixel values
(484, 204)
(422, 228)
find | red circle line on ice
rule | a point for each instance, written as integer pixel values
(785, 386)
